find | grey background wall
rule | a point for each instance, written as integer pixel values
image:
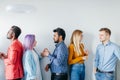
(87, 15)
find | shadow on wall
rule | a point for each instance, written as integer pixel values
(2, 77)
(117, 73)
(88, 42)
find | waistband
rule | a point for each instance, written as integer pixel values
(105, 71)
(59, 74)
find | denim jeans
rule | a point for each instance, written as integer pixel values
(104, 76)
(77, 72)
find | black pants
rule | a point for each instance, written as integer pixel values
(14, 79)
(59, 77)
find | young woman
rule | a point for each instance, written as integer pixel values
(77, 56)
(31, 63)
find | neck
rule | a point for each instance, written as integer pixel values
(105, 42)
(60, 41)
(12, 39)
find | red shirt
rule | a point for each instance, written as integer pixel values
(13, 63)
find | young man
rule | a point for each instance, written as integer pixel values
(13, 59)
(58, 60)
(107, 54)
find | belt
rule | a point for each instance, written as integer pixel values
(59, 74)
(105, 71)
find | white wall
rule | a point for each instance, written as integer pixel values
(89, 16)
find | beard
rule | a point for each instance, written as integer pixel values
(57, 41)
(9, 37)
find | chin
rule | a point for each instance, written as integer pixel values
(8, 38)
(55, 41)
(101, 40)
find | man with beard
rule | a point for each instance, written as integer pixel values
(58, 60)
(13, 58)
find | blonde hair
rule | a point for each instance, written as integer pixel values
(75, 40)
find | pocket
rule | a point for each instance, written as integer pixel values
(109, 75)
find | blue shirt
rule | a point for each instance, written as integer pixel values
(107, 56)
(29, 65)
(58, 60)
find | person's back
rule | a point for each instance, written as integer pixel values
(60, 65)
(14, 67)
(29, 65)
(58, 59)
(13, 59)
(77, 56)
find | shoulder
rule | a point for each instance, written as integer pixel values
(16, 45)
(115, 45)
(99, 46)
(71, 46)
(28, 53)
(62, 45)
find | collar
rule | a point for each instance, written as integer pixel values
(59, 43)
(108, 43)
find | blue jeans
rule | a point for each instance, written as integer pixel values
(77, 72)
(104, 76)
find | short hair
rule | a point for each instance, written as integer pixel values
(16, 30)
(106, 30)
(60, 32)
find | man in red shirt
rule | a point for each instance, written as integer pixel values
(13, 58)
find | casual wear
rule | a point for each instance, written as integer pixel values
(37, 62)
(29, 65)
(76, 62)
(104, 76)
(106, 58)
(58, 60)
(13, 63)
(77, 72)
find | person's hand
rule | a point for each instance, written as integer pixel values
(0, 56)
(85, 57)
(95, 71)
(45, 52)
(86, 52)
(47, 68)
(3, 55)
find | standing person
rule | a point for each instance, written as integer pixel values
(77, 56)
(58, 60)
(31, 62)
(13, 59)
(107, 54)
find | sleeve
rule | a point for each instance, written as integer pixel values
(70, 57)
(96, 59)
(12, 57)
(30, 66)
(60, 58)
(117, 52)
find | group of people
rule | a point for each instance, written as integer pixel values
(22, 60)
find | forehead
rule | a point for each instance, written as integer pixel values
(102, 32)
(10, 30)
(55, 33)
